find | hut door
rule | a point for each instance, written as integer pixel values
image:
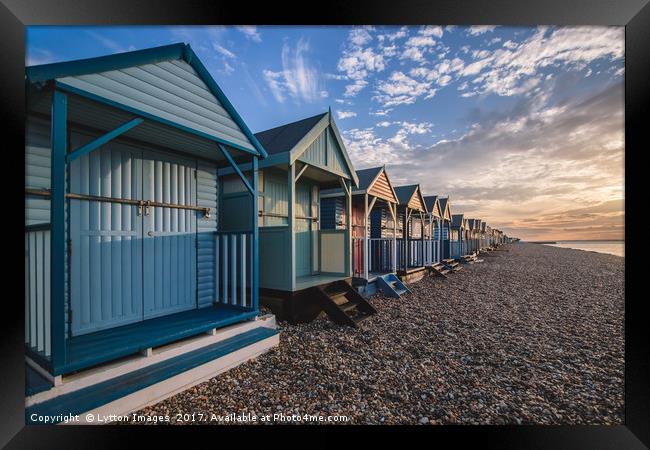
(303, 229)
(105, 238)
(169, 235)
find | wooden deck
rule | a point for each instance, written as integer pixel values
(95, 348)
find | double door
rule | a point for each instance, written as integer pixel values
(130, 261)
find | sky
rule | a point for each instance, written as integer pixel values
(521, 126)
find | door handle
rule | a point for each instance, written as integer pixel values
(149, 233)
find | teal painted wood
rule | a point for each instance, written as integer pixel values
(169, 235)
(335, 158)
(106, 238)
(326, 153)
(38, 168)
(37, 291)
(274, 254)
(101, 140)
(317, 151)
(171, 90)
(275, 198)
(255, 241)
(94, 396)
(236, 210)
(303, 226)
(207, 191)
(58, 228)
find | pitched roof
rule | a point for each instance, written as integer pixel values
(443, 201)
(285, 137)
(367, 176)
(457, 220)
(430, 201)
(404, 193)
(71, 70)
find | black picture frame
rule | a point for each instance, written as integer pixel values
(633, 14)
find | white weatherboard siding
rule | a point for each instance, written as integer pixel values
(171, 90)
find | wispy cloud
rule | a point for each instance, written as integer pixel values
(223, 51)
(251, 32)
(111, 44)
(298, 79)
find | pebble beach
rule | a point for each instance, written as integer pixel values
(532, 335)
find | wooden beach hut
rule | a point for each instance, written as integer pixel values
(483, 231)
(434, 219)
(473, 227)
(445, 228)
(123, 248)
(412, 210)
(307, 266)
(458, 235)
(374, 230)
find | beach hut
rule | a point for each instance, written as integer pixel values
(374, 230)
(411, 211)
(432, 243)
(466, 237)
(483, 234)
(307, 263)
(123, 248)
(471, 247)
(458, 235)
(445, 227)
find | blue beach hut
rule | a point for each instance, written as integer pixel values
(128, 242)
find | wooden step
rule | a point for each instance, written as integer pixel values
(342, 303)
(348, 306)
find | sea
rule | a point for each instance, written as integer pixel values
(611, 247)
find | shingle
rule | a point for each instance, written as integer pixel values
(285, 137)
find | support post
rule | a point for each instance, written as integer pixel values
(348, 229)
(422, 231)
(291, 198)
(393, 212)
(366, 257)
(57, 223)
(255, 244)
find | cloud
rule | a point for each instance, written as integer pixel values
(360, 36)
(400, 89)
(345, 114)
(110, 44)
(356, 63)
(480, 29)
(516, 68)
(528, 161)
(431, 31)
(251, 33)
(381, 112)
(223, 51)
(36, 56)
(298, 79)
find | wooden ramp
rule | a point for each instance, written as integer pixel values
(342, 303)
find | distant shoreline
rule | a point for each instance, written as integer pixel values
(574, 240)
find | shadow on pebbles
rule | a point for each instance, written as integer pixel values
(533, 335)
